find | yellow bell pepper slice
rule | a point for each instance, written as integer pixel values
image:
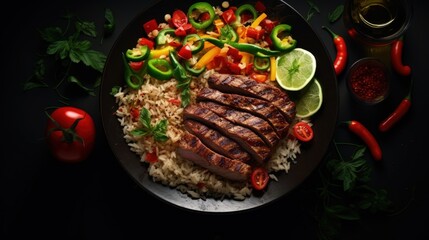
(207, 57)
(258, 20)
(157, 53)
(273, 68)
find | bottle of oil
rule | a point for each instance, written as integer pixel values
(376, 22)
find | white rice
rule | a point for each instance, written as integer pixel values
(170, 169)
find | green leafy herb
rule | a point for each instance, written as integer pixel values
(185, 94)
(336, 14)
(345, 193)
(312, 10)
(67, 49)
(158, 131)
(115, 90)
(109, 23)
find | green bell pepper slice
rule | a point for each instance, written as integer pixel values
(194, 71)
(242, 9)
(159, 68)
(133, 80)
(227, 33)
(261, 63)
(161, 38)
(194, 41)
(195, 11)
(137, 54)
(280, 36)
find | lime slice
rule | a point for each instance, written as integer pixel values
(310, 100)
(295, 69)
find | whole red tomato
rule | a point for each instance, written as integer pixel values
(70, 134)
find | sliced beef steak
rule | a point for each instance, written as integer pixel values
(245, 137)
(245, 119)
(217, 141)
(256, 106)
(193, 149)
(247, 86)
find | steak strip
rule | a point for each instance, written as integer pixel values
(193, 149)
(245, 137)
(247, 86)
(216, 141)
(245, 119)
(258, 107)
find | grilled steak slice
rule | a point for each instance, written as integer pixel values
(245, 119)
(216, 141)
(247, 86)
(193, 149)
(258, 107)
(245, 137)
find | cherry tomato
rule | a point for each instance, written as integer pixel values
(70, 134)
(179, 18)
(303, 131)
(259, 178)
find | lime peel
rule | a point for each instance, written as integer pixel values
(310, 101)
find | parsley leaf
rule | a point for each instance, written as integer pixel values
(159, 131)
(66, 48)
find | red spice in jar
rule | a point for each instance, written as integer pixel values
(368, 80)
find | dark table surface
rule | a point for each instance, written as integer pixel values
(97, 199)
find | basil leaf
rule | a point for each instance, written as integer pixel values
(51, 34)
(336, 14)
(115, 90)
(145, 118)
(60, 48)
(73, 79)
(109, 24)
(87, 28)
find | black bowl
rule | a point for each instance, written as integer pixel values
(324, 121)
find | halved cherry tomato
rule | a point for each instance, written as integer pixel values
(303, 131)
(179, 18)
(259, 178)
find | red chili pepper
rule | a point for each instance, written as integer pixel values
(360, 130)
(341, 58)
(396, 58)
(397, 114)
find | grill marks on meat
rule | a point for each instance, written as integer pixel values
(193, 149)
(249, 87)
(243, 136)
(216, 141)
(259, 107)
(245, 119)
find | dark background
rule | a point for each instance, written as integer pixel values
(96, 199)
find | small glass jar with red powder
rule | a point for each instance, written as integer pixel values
(368, 80)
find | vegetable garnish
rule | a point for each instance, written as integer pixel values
(158, 131)
(341, 47)
(303, 131)
(367, 137)
(259, 178)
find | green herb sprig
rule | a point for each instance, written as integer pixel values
(67, 49)
(345, 193)
(158, 131)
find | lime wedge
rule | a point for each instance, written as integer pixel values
(295, 69)
(310, 100)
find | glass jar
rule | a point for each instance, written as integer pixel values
(368, 81)
(376, 22)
